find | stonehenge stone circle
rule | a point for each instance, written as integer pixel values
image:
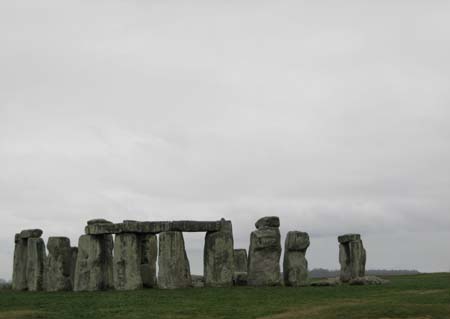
(149, 255)
(127, 262)
(295, 265)
(59, 265)
(352, 257)
(240, 260)
(173, 264)
(218, 257)
(94, 269)
(35, 264)
(264, 253)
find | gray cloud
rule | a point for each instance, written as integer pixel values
(333, 116)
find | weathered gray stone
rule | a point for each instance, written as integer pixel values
(295, 265)
(352, 257)
(98, 221)
(348, 237)
(149, 255)
(35, 264)
(368, 280)
(19, 281)
(218, 257)
(264, 258)
(173, 264)
(240, 278)
(132, 226)
(58, 266)
(269, 221)
(30, 233)
(240, 260)
(94, 263)
(127, 262)
(198, 281)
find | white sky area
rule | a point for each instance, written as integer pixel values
(332, 115)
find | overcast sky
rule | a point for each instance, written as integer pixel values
(333, 115)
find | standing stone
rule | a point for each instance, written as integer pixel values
(19, 281)
(264, 253)
(352, 257)
(218, 257)
(173, 264)
(240, 260)
(149, 255)
(127, 262)
(35, 264)
(94, 263)
(58, 268)
(295, 265)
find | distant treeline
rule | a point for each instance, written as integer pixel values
(325, 273)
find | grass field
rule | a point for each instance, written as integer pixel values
(415, 297)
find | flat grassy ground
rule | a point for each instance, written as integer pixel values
(419, 297)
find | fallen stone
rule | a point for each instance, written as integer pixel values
(240, 260)
(295, 265)
(329, 282)
(173, 264)
(269, 221)
(368, 280)
(35, 264)
(58, 270)
(127, 262)
(94, 263)
(149, 255)
(218, 261)
(19, 281)
(264, 258)
(30, 233)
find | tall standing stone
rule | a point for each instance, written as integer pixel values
(35, 264)
(218, 257)
(149, 255)
(352, 257)
(127, 262)
(58, 270)
(19, 281)
(264, 253)
(240, 260)
(295, 265)
(173, 264)
(94, 263)
(73, 263)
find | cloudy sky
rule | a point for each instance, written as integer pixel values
(332, 115)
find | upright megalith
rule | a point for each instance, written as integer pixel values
(93, 270)
(73, 263)
(264, 253)
(173, 264)
(240, 260)
(59, 264)
(295, 265)
(352, 257)
(35, 264)
(149, 255)
(19, 281)
(218, 256)
(127, 262)
(29, 255)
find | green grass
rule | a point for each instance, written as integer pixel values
(415, 297)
